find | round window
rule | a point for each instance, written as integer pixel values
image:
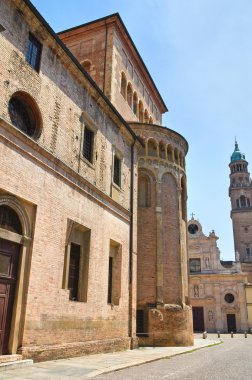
(23, 115)
(229, 298)
(193, 228)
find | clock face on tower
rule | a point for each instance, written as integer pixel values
(192, 229)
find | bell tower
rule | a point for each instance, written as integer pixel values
(240, 193)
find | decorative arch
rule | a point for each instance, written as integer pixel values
(123, 85)
(129, 94)
(169, 153)
(86, 64)
(152, 146)
(14, 204)
(24, 114)
(176, 156)
(146, 116)
(135, 103)
(141, 111)
(144, 190)
(162, 150)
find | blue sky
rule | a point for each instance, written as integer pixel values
(199, 53)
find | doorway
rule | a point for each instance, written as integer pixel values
(198, 319)
(231, 322)
(9, 259)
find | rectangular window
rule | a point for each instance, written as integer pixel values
(110, 279)
(88, 144)
(76, 263)
(194, 265)
(248, 251)
(33, 53)
(114, 273)
(117, 171)
(140, 322)
(74, 269)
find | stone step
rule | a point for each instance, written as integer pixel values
(6, 366)
(10, 358)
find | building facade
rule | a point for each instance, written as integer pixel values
(217, 288)
(69, 247)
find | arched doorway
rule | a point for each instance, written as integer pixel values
(14, 245)
(9, 260)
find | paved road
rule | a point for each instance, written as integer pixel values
(230, 360)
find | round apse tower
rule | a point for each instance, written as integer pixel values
(163, 312)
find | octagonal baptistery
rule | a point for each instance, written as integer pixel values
(164, 316)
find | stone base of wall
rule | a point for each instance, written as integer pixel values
(61, 351)
(169, 326)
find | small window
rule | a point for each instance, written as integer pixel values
(33, 53)
(194, 265)
(88, 144)
(110, 279)
(114, 273)
(117, 171)
(229, 298)
(74, 269)
(140, 323)
(247, 251)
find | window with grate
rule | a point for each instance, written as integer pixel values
(33, 53)
(9, 220)
(117, 171)
(194, 265)
(88, 144)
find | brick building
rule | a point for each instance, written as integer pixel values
(217, 288)
(240, 192)
(80, 122)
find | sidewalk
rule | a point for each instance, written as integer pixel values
(87, 367)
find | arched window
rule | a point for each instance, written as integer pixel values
(143, 191)
(86, 64)
(141, 111)
(176, 157)
(9, 220)
(242, 201)
(123, 85)
(169, 153)
(152, 148)
(129, 95)
(162, 150)
(135, 104)
(24, 114)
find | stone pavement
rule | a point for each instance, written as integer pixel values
(87, 367)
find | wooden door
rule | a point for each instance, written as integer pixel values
(9, 258)
(231, 322)
(198, 319)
